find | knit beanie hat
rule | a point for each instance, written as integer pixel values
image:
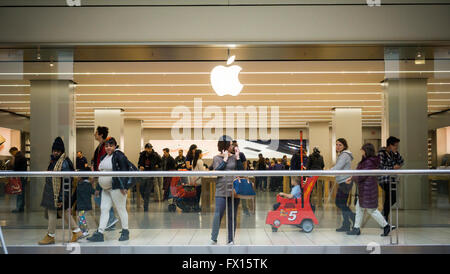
(58, 145)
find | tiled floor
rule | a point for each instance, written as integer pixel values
(161, 228)
(287, 236)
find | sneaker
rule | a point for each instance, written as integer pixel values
(96, 237)
(388, 228)
(231, 243)
(48, 240)
(85, 234)
(212, 242)
(355, 231)
(124, 235)
(111, 225)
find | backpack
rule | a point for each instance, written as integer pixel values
(131, 182)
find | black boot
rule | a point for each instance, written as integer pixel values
(355, 231)
(96, 237)
(124, 235)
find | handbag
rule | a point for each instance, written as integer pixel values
(14, 186)
(243, 188)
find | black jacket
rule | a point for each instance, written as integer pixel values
(315, 162)
(168, 163)
(151, 161)
(20, 162)
(119, 163)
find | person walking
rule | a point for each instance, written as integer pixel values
(261, 181)
(82, 199)
(390, 159)
(344, 160)
(52, 196)
(19, 164)
(167, 164)
(368, 192)
(81, 162)
(101, 135)
(315, 161)
(227, 159)
(149, 160)
(114, 191)
(197, 165)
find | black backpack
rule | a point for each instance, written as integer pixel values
(131, 182)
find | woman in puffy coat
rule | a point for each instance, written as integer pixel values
(368, 192)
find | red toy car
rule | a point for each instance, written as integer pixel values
(295, 211)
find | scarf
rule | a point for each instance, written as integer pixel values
(55, 180)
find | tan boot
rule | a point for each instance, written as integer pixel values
(76, 236)
(48, 240)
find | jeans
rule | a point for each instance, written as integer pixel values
(387, 204)
(221, 203)
(98, 201)
(342, 194)
(20, 202)
(145, 189)
(158, 188)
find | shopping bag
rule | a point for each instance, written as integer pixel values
(14, 186)
(243, 188)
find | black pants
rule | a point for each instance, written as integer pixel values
(145, 189)
(198, 195)
(342, 194)
(387, 203)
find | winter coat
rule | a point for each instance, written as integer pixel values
(296, 163)
(344, 162)
(119, 163)
(168, 163)
(47, 196)
(315, 162)
(83, 195)
(20, 162)
(150, 161)
(368, 185)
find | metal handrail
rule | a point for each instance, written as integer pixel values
(223, 173)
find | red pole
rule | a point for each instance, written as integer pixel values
(301, 155)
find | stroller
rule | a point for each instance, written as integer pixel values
(299, 212)
(181, 194)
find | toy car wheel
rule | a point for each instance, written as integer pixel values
(307, 225)
(274, 229)
(277, 223)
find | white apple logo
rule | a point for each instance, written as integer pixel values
(225, 80)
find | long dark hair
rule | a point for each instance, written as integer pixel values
(369, 150)
(344, 142)
(196, 157)
(191, 150)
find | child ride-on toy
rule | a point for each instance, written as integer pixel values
(295, 211)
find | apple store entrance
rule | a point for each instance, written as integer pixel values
(273, 100)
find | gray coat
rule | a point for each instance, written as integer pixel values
(344, 162)
(224, 184)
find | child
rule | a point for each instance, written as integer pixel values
(296, 192)
(83, 197)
